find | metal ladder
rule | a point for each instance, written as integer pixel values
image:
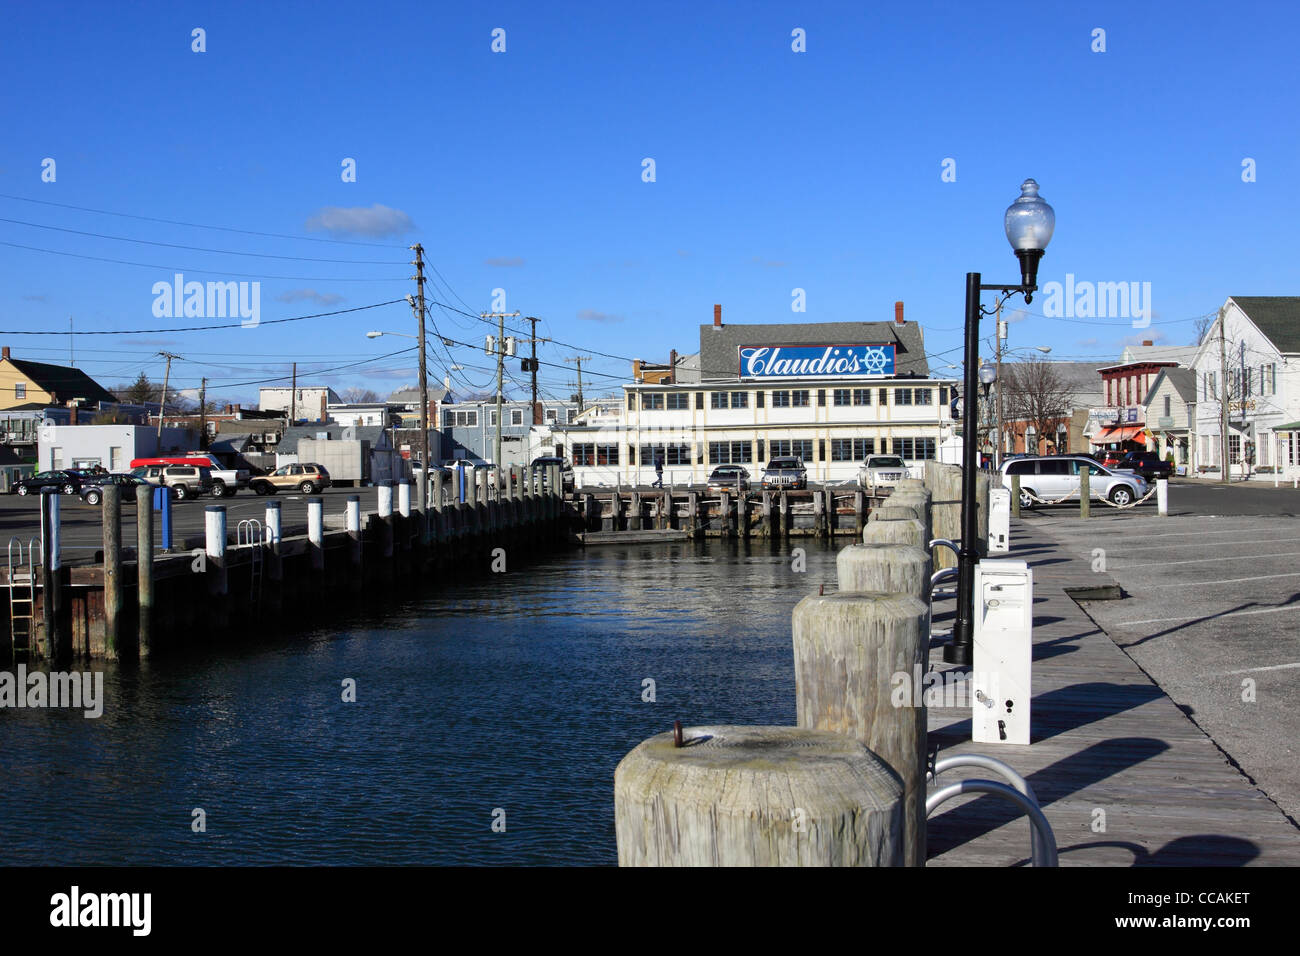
(22, 597)
(248, 534)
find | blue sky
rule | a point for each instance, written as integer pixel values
(522, 171)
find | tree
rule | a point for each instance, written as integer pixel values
(357, 395)
(138, 392)
(1203, 326)
(1037, 395)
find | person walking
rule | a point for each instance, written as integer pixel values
(659, 472)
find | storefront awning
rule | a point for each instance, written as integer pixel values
(1292, 427)
(1118, 433)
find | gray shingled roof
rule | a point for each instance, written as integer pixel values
(719, 358)
(1182, 380)
(1277, 316)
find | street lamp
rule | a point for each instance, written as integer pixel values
(1029, 223)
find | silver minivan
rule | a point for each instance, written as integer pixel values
(1055, 476)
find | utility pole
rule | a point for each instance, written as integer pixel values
(499, 347)
(203, 414)
(532, 363)
(425, 467)
(162, 403)
(72, 360)
(293, 395)
(1224, 466)
(578, 361)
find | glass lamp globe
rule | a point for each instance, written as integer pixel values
(988, 374)
(1029, 223)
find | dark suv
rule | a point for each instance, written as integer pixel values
(1148, 464)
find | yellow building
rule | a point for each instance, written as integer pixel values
(26, 384)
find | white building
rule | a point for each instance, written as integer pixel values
(1257, 340)
(112, 446)
(308, 403)
(830, 393)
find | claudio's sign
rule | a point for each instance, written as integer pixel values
(815, 361)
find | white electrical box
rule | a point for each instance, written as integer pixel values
(1003, 652)
(999, 520)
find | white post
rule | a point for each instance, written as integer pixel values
(214, 527)
(315, 522)
(272, 522)
(386, 500)
(1162, 496)
(404, 498)
(354, 514)
(56, 533)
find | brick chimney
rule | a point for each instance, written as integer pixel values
(537, 413)
(1148, 342)
(636, 370)
(672, 365)
(717, 316)
(898, 314)
(4, 353)
(72, 413)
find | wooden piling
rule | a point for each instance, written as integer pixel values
(783, 529)
(910, 531)
(111, 506)
(1015, 496)
(692, 513)
(1085, 492)
(214, 518)
(756, 796)
(634, 516)
(889, 568)
(742, 513)
(819, 515)
(273, 596)
(859, 511)
(854, 654)
(385, 507)
(144, 568)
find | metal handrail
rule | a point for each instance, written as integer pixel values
(954, 546)
(942, 574)
(1043, 852)
(986, 762)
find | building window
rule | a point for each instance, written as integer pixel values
(821, 398)
(516, 416)
(492, 418)
(717, 399)
(607, 454)
(758, 399)
(730, 453)
(584, 454)
(740, 399)
(20, 391)
(652, 401)
(699, 399)
(902, 396)
(924, 396)
(802, 448)
(550, 416)
(631, 401)
(677, 401)
(821, 449)
(780, 448)
(760, 446)
(799, 399)
(862, 396)
(842, 396)
(780, 400)
(1168, 407)
(884, 396)
(852, 449)
(1234, 449)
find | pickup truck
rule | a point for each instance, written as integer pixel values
(1148, 464)
(225, 481)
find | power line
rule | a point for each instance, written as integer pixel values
(203, 328)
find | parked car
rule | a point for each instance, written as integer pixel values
(92, 490)
(729, 478)
(567, 480)
(67, 481)
(306, 477)
(1053, 476)
(225, 481)
(785, 473)
(882, 471)
(1148, 464)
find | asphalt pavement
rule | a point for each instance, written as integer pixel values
(1211, 611)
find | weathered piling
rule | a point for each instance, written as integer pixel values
(859, 511)
(58, 638)
(784, 524)
(316, 542)
(851, 652)
(273, 601)
(1085, 492)
(1015, 496)
(888, 568)
(111, 508)
(724, 514)
(766, 526)
(634, 516)
(692, 513)
(356, 552)
(385, 505)
(742, 513)
(214, 518)
(890, 512)
(819, 516)
(909, 531)
(144, 568)
(756, 796)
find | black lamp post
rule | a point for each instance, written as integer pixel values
(1029, 223)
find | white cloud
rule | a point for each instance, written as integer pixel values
(310, 295)
(377, 221)
(504, 262)
(591, 315)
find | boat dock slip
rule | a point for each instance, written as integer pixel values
(1123, 775)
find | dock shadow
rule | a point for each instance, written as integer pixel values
(1198, 849)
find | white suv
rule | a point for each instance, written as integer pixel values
(1055, 476)
(882, 471)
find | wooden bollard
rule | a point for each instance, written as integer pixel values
(112, 520)
(919, 501)
(756, 796)
(356, 571)
(893, 512)
(634, 516)
(214, 526)
(616, 510)
(859, 511)
(889, 568)
(909, 531)
(316, 541)
(819, 515)
(724, 514)
(273, 597)
(692, 513)
(436, 513)
(767, 514)
(1085, 492)
(1015, 496)
(742, 513)
(58, 638)
(832, 516)
(851, 652)
(144, 567)
(784, 529)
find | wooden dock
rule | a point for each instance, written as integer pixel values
(1122, 774)
(586, 538)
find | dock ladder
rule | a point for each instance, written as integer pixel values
(22, 597)
(248, 533)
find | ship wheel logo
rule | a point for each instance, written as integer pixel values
(876, 360)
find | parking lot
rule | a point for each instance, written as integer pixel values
(83, 530)
(1211, 612)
